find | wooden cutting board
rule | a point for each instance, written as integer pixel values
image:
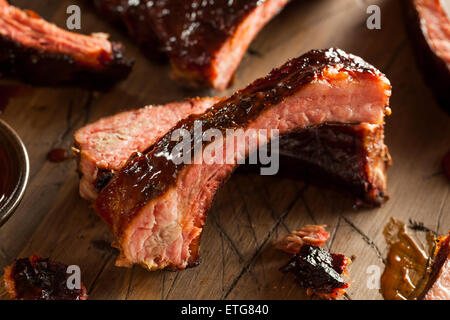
(238, 261)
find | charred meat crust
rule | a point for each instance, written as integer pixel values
(39, 67)
(352, 158)
(36, 278)
(434, 69)
(317, 270)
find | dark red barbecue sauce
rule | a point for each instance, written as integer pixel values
(58, 155)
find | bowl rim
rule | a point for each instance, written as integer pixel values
(11, 205)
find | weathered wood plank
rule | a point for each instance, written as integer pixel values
(238, 260)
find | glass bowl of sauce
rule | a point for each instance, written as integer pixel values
(14, 171)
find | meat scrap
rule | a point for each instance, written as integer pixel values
(40, 279)
(204, 40)
(156, 208)
(39, 52)
(319, 272)
(309, 235)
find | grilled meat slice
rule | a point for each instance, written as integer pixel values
(39, 52)
(429, 26)
(308, 235)
(205, 40)
(40, 279)
(319, 272)
(156, 207)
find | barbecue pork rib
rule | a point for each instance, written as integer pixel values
(429, 26)
(156, 209)
(204, 40)
(351, 158)
(39, 52)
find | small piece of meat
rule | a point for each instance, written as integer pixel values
(438, 287)
(205, 40)
(429, 26)
(319, 272)
(308, 235)
(156, 208)
(39, 52)
(40, 279)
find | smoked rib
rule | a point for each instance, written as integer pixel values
(156, 209)
(351, 158)
(39, 52)
(204, 40)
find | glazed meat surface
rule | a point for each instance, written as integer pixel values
(205, 40)
(157, 208)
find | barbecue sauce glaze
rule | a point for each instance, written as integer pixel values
(152, 173)
(58, 155)
(189, 31)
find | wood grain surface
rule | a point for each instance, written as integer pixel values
(238, 261)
